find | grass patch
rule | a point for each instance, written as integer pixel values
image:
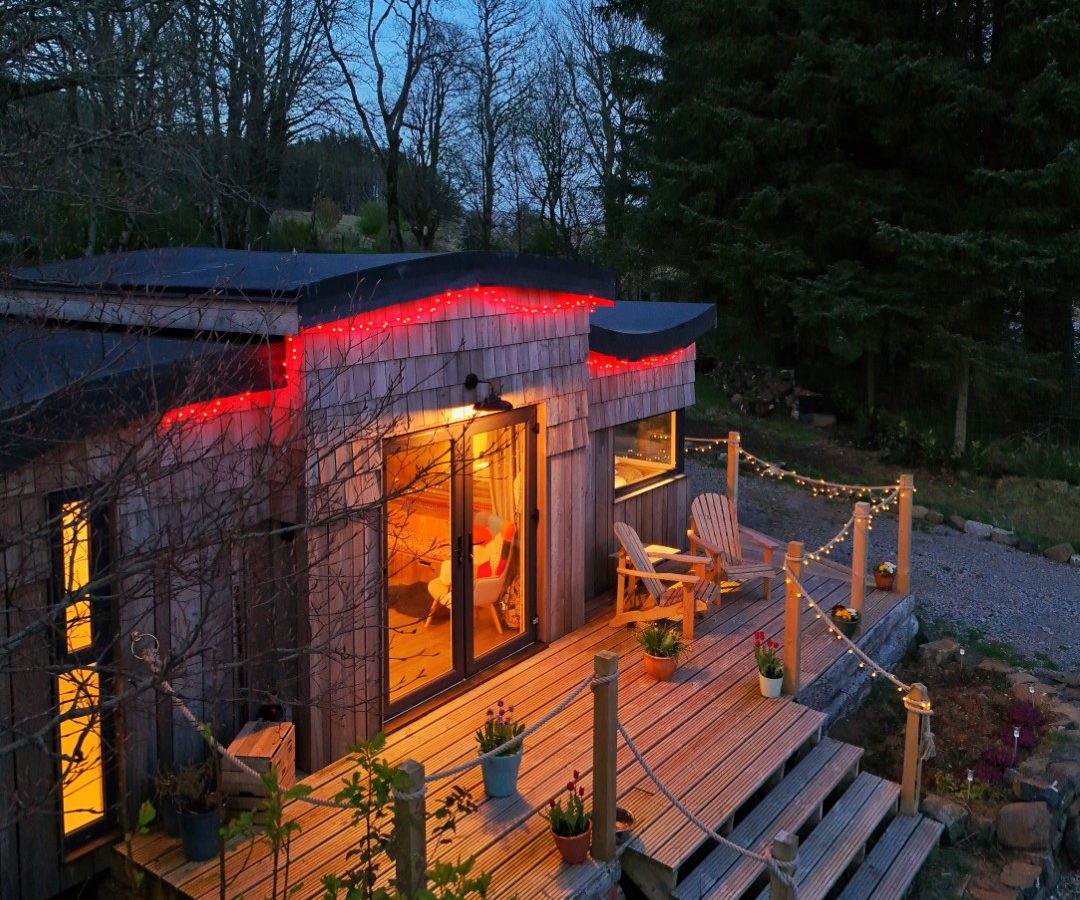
(982, 645)
(1042, 512)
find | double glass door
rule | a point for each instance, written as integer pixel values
(459, 553)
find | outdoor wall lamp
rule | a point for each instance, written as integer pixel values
(492, 402)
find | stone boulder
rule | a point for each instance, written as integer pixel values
(918, 512)
(1066, 773)
(949, 813)
(1061, 553)
(1018, 677)
(1024, 826)
(958, 522)
(933, 517)
(996, 666)
(1021, 876)
(1007, 538)
(980, 529)
(1072, 834)
(938, 653)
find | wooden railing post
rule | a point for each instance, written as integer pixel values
(785, 847)
(734, 442)
(792, 608)
(410, 831)
(605, 722)
(903, 536)
(911, 783)
(860, 526)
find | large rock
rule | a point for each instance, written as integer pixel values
(1017, 677)
(980, 529)
(1001, 536)
(918, 512)
(938, 653)
(949, 813)
(1072, 834)
(1066, 712)
(933, 517)
(1024, 826)
(1020, 875)
(1061, 553)
(958, 522)
(1066, 773)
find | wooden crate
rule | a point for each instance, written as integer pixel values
(260, 745)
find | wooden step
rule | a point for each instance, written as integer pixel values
(713, 778)
(839, 837)
(889, 869)
(725, 873)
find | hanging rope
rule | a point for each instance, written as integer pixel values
(841, 536)
(927, 747)
(784, 870)
(151, 658)
(817, 485)
(853, 648)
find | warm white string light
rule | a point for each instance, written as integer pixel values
(864, 660)
(842, 535)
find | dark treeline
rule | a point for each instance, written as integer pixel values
(883, 196)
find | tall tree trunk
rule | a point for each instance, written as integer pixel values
(871, 382)
(393, 203)
(963, 389)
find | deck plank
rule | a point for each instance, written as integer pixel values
(711, 707)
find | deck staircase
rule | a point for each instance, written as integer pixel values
(853, 843)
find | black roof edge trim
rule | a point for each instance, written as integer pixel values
(371, 289)
(635, 345)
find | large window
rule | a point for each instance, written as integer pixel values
(84, 772)
(647, 449)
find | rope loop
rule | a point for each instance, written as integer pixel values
(410, 796)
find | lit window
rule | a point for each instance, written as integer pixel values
(646, 449)
(78, 685)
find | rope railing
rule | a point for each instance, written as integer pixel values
(784, 870)
(833, 489)
(150, 656)
(841, 536)
(865, 660)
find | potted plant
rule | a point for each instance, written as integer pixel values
(845, 619)
(200, 811)
(884, 573)
(501, 770)
(770, 668)
(663, 644)
(570, 825)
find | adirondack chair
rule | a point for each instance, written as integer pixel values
(715, 530)
(673, 594)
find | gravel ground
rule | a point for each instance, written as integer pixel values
(1019, 599)
(1068, 888)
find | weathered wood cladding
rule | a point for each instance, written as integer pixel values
(658, 512)
(364, 387)
(170, 496)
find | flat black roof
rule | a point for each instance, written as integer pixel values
(323, 286)
(636, 329)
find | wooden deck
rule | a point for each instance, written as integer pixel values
(703, 728)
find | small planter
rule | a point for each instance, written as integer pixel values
(883, 582)
(501, 774)
(624, 825)
(846, 627)
(770, 687)
(575, 849)
(662, 668)
(199, 833)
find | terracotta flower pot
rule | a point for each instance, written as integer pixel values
(770, 687)
(575, 849)
(883, 582)
(662, 668)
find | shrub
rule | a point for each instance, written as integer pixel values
(1025, 714)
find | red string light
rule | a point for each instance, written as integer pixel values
(501, 299)
(600, 364)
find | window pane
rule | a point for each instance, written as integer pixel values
(83, 769)
(75, 566)
(644, 449)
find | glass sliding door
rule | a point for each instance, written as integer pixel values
(497, 467)
(459, 545)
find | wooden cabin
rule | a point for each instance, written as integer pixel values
(356, 484)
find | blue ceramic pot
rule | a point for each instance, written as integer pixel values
(501, 774)
(199, 833)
